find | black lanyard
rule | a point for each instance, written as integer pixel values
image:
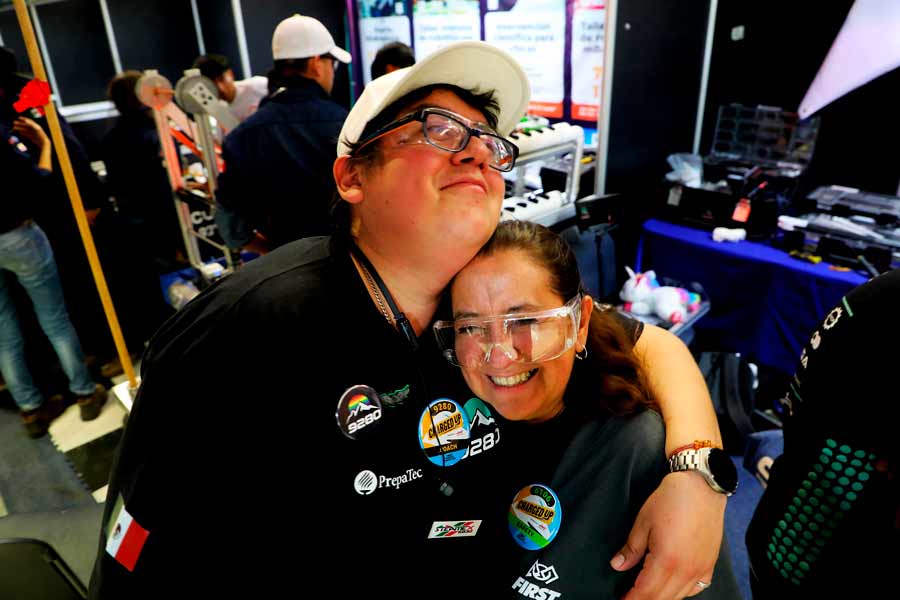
(408, 333)
(403, 323)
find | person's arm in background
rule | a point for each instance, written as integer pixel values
(31, 131)
(680, 526)
(231, 193)
(92, 194)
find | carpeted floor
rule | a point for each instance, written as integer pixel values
(34, 475)
(52, 489)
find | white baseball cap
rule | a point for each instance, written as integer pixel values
(475, 66)
(303, 37)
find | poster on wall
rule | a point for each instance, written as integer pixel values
(586, 59)
(534, 32)
(380, 22)
(437, 23)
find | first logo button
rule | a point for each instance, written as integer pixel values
(358, 411)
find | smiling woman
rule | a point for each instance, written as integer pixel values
(521, 316)
(533, 345)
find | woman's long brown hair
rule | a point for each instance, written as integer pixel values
(612, 376)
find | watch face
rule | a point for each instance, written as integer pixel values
(723, 470)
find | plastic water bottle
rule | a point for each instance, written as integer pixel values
(181, 292)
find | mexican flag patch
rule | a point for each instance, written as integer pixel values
(125, 537)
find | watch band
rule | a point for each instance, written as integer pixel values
(689, 459)
(698, 460)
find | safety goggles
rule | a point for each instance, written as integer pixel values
(449, 132)
(525, 338)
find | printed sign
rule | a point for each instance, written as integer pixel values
(437, 23)
(534, 33)
(380, 22)
(588, 38)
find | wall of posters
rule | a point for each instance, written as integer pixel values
(534, 32)
(560, 43)
(437, 23)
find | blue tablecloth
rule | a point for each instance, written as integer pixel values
(765, 304)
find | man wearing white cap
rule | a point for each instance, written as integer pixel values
(276, 186)
(285, 435)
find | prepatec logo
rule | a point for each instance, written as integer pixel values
(365, 483)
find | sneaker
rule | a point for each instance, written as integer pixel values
(90, 405)
(37, 421)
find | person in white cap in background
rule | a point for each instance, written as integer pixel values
(297, 427)
(241, 96)
(276, 186)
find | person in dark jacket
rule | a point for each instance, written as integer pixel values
(137, 178)
(25, 255)
(277, 183)
(835, 491)
(141, 239)
(56, 219)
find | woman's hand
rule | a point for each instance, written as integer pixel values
(680, 529)
(27, 129)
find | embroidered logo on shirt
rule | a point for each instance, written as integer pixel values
(395, 398)
(815, 340)
(367, 481)
(446, 529)
(832, 318)
(126, 537)
(542, 573)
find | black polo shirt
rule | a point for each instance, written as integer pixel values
(238, 458)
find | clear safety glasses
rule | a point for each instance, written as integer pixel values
(522, 337)
(450, 132)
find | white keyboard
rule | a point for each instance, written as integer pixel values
(547, 137)
(546, 209)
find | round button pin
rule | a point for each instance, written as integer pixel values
(484, 432)
(444, 432)
(358, 411)
(535, 516)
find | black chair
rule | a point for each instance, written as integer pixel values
(32, 570)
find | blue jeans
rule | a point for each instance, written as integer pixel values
(26, 254)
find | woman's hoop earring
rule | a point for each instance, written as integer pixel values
(581, 354)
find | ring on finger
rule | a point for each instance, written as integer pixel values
(703, 584)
